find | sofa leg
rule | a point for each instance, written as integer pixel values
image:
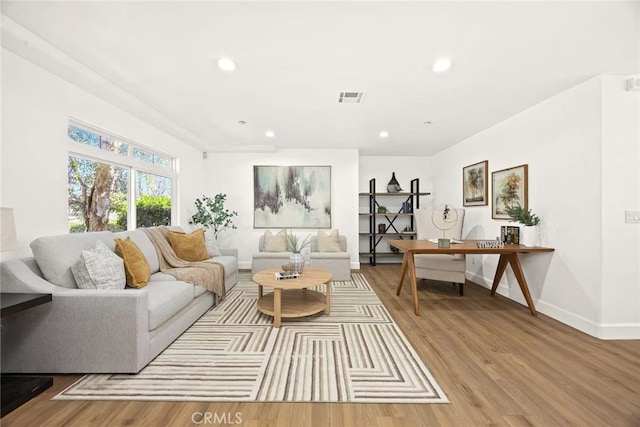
(461, 288)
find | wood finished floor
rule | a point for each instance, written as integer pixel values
(498, 365)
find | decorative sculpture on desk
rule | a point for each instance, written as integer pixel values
(444, 218)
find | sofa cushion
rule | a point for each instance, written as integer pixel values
(162, 277)
(275, 242)
(229, 263)
(136, 266)
(56, 254)
(142, 240)
(99, 268)
(166, 299)
(329, 255)
(444, 262)
(198, 290)
(329, 242)
(189, 247)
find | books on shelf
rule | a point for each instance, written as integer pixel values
(281, 275)
(510, 234)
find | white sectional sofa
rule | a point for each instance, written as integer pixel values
(96, 330)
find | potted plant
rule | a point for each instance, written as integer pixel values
(212, 215)
(529, 220)
(296, 246)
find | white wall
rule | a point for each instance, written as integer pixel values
(36, 106)
(571, 179)
(232, 174)
(620, 292)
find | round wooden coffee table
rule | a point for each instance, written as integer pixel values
(296, 300)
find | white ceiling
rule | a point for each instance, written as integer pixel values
(158, 61)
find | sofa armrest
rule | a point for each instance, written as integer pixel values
(17, 277)
(80, 330)
(229, 252)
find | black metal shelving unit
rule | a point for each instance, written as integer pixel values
(389, 219)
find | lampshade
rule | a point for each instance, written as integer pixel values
(8, 240)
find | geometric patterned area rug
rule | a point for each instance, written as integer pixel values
(234, 354)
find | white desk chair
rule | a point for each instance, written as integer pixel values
(442, 267)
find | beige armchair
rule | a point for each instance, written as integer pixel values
(445, 267)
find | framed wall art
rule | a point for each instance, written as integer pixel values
(509, 187)
(475, 184)
(292, 196)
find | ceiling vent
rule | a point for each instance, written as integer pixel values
(351, 98)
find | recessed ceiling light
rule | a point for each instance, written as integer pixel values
(427, 123)
(270, 134)
(384, 134)
(226, 64)
(242, 122)
(441, 64)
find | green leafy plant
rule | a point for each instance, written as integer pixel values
(294, 244)
(211, 213)
(382, 209)
(521, 215)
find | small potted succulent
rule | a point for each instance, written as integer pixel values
(529, 220)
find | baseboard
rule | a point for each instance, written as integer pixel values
(619, 331)
(604, 331)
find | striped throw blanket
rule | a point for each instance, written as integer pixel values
(207, 274)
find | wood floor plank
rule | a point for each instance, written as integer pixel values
(498, 365)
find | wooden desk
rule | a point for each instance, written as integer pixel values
(508, 256)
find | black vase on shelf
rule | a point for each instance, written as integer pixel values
(393, 186)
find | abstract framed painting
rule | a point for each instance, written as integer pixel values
(475, 184)
(509, 187)
(292, 196)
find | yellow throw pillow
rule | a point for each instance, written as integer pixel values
(329, 243)
(136, 266)
(275, 242)
(189, 247)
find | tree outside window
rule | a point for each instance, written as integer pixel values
(99, 193)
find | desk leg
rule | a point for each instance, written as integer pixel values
(517, 270)
(414, 286)
(514, 261)
(277, 307)
(502, 266)
(403, 271)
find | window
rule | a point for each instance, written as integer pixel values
(115, 184)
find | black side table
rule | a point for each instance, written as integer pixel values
(17, 390)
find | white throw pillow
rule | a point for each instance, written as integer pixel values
(329, 243)
(275, 242)
(99, 268)
(210, 241)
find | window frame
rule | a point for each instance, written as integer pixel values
(87, 152)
